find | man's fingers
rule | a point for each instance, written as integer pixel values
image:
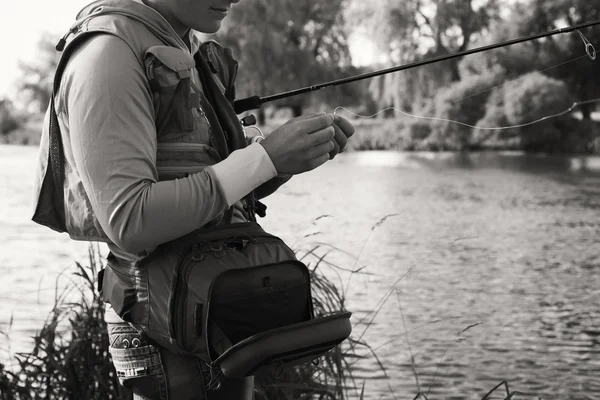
(318, 161)
(340, 138)
(345, 125)
(322, 149)
(304, 117)
(315, 123)
(336, 150)
(321, 136)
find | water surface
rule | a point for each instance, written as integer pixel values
(505, 243)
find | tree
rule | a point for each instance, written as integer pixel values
(287, 44)
(35, 83)
(8, 120)
(534, 16)
(420, 29)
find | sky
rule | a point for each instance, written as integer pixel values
(24, 22)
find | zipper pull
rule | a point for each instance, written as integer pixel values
(197, 254)
(60, 46)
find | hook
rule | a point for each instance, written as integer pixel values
(589, 48)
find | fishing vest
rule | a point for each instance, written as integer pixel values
(191, 133)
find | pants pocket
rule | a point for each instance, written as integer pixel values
(138, 365)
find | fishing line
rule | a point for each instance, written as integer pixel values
(590, 53)
(575, 104)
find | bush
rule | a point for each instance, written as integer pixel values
(418, 129)
(377, 134)
(462, 101)
(29, 132)
(495, 116)
(534, 96)
(531, 98)
(8, 120)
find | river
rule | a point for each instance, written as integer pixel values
(504, 244)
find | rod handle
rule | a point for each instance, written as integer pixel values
(249, 103)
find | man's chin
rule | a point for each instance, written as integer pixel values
(209, 27)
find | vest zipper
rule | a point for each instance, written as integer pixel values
(180, 297)
(203, 101)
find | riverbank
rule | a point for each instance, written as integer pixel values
(409, 134)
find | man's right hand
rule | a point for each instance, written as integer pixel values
(301, 144)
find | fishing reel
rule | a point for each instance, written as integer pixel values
(251, 131)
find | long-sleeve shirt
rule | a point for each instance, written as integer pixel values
(106, 115)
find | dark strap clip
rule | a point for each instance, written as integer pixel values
(100, 280)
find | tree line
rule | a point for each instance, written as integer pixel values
(288, 44)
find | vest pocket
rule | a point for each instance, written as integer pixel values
(178, 160)
(177, 108)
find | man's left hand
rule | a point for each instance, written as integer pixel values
(343, 131)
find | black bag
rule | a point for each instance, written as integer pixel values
(234, 296)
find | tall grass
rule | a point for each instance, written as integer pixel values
(70, 358)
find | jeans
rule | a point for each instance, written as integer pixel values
(153, 373)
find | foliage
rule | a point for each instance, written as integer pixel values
(70, 358)
(534, 96)
(416, 30)
(8, 120)
(35, 83)
(495, 116)
(462, 101)
(28, 132)
(581, 76)
(552, 54)
(288, 44)
(528, 99)
(376, 135)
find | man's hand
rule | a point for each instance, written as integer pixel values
(343, 131)
(301, 144)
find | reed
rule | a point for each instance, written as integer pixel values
(70, 358)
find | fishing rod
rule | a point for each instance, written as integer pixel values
(254, 102)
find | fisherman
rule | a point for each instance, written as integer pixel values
(142, 165)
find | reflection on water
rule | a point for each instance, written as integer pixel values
(505, 241)
(508, 160)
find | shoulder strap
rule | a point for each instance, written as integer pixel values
(217, 70)
(50, 210)
(222, 105)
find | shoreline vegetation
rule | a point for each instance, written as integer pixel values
(70, 357)
(409, 134)
(537, 97)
